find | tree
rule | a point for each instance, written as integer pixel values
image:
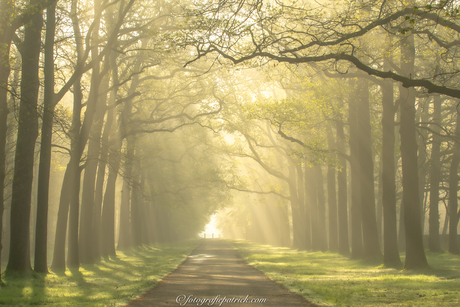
(19, 258)
(285, 44)
(369, 223)
(99, 89)
(355, 206)
(41, 231)
(434, 239)
(70, 186)
(342, 193)
(415, 253)
(332, 196)
(453, 192)
(390, 235)
(6, 8)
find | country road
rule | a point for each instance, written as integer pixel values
(214, 274)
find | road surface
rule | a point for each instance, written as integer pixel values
(215, 275)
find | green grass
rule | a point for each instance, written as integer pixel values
(330, 279)
(111, 282)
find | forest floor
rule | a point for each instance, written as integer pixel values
(215, 275)
(110, 282)
(330, 279)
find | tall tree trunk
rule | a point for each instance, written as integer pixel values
(321, 203)
(301, 201)
(92, 105)
(342, 192)
(402, 229)
(98, 194)
(332, 195)
(9, 152)
(367, 190)
(19, 257)
(379, 205)
(73, 259)
(422, 135)
(89, 182)
(453, 192)
(136, 204)
(107, 227)
(6, 13)
(434, 240)
(296, 210)
(68, 183)
(41, 228)
(125, 235)
(390, 232)
(415, 253)
(355, 208)
(312, 205)
(104, 159)
(307, 210)
(108, 207)
(446, 223)
(97, 93)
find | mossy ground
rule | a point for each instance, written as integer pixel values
(111, 282)
(331, 279)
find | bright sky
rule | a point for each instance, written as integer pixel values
(211, 228)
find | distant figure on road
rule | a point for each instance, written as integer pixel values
(213, 235)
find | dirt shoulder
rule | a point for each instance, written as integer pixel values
(214, 274)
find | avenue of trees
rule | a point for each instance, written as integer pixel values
(321, 125)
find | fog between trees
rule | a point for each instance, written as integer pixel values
(321, 125)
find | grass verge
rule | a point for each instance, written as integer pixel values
(330, 279)
(111, 282)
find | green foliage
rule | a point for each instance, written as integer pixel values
(330, 279)
(112, 282)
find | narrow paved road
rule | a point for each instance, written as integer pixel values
(215, 271)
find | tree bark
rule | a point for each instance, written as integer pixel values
(307, 211)
(332, 195)
(422, 136)
(68, 183)
(41, 227)
(415, 253)
(89, 181)
(125, 235)
(6, 13)
(390, 232)
(297, 227)
(137, 215)
(73, 259)
(108, 207)
(301, 202)
(98, 194)
(342, 192)
(379, 204)
(367, 190)
(19, 256)
(453, 192)
(321, 203)
(434, 240)
(99, 87)
(125, 228)
(312, 206)
(355, 209)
